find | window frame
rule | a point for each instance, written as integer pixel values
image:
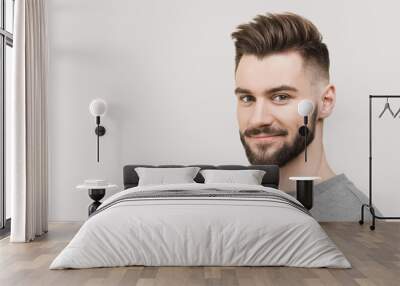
(6, 39)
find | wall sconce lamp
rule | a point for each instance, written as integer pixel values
(305, 108)
(97, 108)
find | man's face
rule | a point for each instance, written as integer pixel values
(268, 91)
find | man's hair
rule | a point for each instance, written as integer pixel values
(274, 33)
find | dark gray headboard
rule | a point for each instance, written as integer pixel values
(270, 179)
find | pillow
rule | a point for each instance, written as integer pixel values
(161, 176)
(249, 177)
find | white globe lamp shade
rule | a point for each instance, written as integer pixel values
(305, 107)
(98, 107)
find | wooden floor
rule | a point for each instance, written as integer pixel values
(374, 255)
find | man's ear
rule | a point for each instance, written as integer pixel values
(327, 101)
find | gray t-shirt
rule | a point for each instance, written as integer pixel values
(338, 199)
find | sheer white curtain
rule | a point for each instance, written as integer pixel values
(27, 123)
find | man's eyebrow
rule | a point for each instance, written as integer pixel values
(239, 90)
(283, 87)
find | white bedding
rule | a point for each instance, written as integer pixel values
(200, 231)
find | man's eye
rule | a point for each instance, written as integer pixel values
(280, 98)
(246, 98)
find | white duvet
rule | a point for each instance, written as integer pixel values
(200, 231)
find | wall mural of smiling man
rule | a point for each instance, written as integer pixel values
(281, 60)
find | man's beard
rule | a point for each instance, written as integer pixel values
(283, 155)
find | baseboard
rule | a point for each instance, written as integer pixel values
(66, 221)
(5, 231)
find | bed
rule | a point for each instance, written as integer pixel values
(201, 224)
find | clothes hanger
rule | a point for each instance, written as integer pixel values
(398, 111)
(387, 107)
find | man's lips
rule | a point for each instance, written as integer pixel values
(265, 138)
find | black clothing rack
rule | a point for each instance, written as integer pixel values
(369, 205)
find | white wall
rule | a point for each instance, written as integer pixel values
(166, 70)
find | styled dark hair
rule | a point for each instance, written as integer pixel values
(274, 33)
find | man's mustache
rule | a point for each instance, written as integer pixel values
(267, 130)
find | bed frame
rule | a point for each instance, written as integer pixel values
(270, 179)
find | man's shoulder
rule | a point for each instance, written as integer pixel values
(337, 199)
(339, 187)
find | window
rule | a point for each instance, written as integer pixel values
(6, 60)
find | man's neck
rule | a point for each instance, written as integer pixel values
(316, 164)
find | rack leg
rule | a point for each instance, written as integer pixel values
(372, 210)
(361, 221)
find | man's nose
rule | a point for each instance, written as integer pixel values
(261, 114)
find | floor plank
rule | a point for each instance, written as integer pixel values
(374, 255)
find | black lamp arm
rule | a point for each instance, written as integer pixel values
(304, 132)
(100, 131)
(305, 137)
